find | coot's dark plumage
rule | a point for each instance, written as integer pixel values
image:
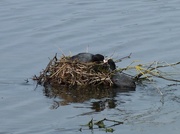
(123, 81)
(88, 57)
(112, 64)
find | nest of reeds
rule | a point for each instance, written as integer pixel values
(72, 73)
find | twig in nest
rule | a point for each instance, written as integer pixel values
(73, 73)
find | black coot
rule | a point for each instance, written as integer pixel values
(124, 81)
(121, 80)
(88, 57)
(112, 64)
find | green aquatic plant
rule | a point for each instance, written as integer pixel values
(92, 124)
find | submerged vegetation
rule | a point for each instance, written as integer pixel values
(101, 124)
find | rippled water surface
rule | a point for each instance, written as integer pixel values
(32, 31)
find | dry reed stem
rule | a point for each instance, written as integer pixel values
(73, 73)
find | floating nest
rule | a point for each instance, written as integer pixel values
(72, 73)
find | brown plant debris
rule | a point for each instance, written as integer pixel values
(71, 73)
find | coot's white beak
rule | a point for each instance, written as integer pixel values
(105, 60)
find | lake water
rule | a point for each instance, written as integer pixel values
(32, 31)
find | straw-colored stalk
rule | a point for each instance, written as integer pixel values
(74, 73)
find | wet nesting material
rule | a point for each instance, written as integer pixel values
(72, 73)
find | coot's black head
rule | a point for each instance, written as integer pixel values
(112, 65)
(97, 58)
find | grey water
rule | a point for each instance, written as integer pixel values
(32, 31)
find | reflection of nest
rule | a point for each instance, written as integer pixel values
(71, 73)
(78, 95)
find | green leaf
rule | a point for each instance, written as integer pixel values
(90, 124)
(109, 130)
(100, 124)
